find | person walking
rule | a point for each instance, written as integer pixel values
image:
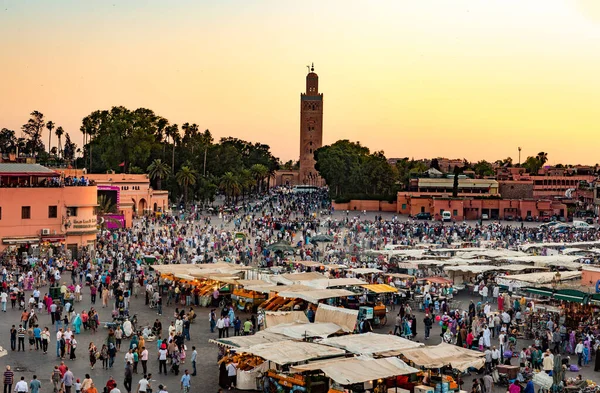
(194, 357)
(162, 358)
(35, 385)
(144, 360)
(55, 378)
(579, 352)
(143, 385)
(9, 377)
(128, 377)
(68, 379)
(185, 381)
(21, 386)
(13, 338)
(21, 338)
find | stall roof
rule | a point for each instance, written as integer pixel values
(274, 318)
(335, 282)
(380, 288)
(314, 295)
(476, 269)
(365, 270)
(526, 247)
(291, 278)
(344, 317)
(399, 275)
(261, 337)
(445, 354)
(279, 288)
(254, 283)
(298, 330)
(490, 253)
(349, 371)
(288, 352)
(333, 266)
(436, 280)
(537, 278)
(370, 343)
(308, 263)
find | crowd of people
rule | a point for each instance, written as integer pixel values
(115, 270)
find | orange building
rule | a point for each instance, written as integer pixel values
(135, 195)
(36, 207)
(473, 209)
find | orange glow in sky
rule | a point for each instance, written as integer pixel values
(426, 78)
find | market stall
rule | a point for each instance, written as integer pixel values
(370, 343)
(358, 373)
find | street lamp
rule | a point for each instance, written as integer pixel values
(519, 155)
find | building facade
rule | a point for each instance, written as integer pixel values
(37, 207)
(311, 129)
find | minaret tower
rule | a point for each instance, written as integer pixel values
(311, 129)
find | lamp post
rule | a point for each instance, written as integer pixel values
(519, 155)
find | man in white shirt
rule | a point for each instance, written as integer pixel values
(231, 374)
(21, 386)
(129, 357)
(143, 385)
(144, 360)
(194, 358)
(579, 352)
(162, 358)
(3, 299)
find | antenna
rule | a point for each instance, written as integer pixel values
(312, 67)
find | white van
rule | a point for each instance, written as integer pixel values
(446, 216)
(582, 225)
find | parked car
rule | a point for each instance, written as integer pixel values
(423, 216)
(508, 217)
(485, 217)
(590, 220)
(529, 219)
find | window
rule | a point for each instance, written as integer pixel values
(455, 212)
(25, 212)
(404, 206)
(52, 211)
(71, 212)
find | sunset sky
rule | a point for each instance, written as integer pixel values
(416, 78)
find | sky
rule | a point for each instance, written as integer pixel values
(429, 78)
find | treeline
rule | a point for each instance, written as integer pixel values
(182, 159)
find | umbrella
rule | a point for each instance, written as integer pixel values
(321, 239)
(280, 247)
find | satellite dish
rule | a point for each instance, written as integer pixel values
(569, 193)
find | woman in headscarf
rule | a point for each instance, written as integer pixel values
(77, 322)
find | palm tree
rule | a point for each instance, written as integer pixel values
(50, 126)
(186, 177)
(59, 133)
(173, 133)
(542, 158)
(246, 181)
(158, 170)
(230, 185)
(260, 172)
(105, 205)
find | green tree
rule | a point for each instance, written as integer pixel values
(435, 164)
(50, 126)
(230, 185)
(186, 177)
(259, 171)
(33, 129)
(105, 205)
(69, 149)
(483, 168)
(247, 181)
(532, 164)
(59, 133)
(457, 171)
(158, 171)
(172, 132)
(8, 141)
(542, 158)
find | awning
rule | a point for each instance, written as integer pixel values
(318, 294)
(262, 337)
(288, 352)
(571, 295)
(349, 371)
(540, 291)
(299, 331)
(20, 240)
(445, 354)
(436, 280)
(370, 343)
(380, 288)
(344, 317)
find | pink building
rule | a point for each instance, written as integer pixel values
(37, 208)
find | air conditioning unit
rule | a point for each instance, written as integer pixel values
(45, 232)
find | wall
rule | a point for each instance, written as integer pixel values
(589, 276)
(511, 189)
(79, 229)
(370, 206)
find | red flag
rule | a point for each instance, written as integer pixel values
(122, 164)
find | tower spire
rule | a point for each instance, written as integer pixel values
(312, 67)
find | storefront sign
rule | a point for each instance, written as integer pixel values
(85, 224)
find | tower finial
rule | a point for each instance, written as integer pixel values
(312, 67)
